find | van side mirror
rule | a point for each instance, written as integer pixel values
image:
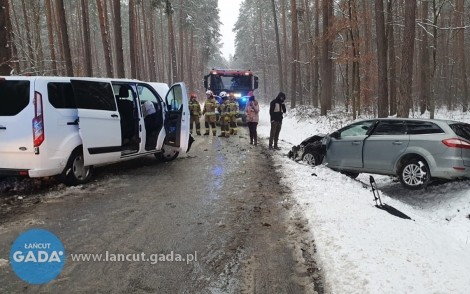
(206, 86)
(256, 82)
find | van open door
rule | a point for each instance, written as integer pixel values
(177, 125)
(99, 122)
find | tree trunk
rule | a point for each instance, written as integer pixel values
(132, 39)
(86, 39)
(278, 49)
(29, 40)
(316, 64)
(102, 15)
(327, 63)
(64, 37)
(284, 43)
(295, 53)
(463, 89)
(50, 31)
(408, 49)
(120, 69)
(181, 42)
(382, 103)
(425, 64)
(391, 59)
(5, 41)
(171, 43)
(263, 54)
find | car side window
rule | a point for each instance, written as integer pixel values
(390, 127)
(422, 127)
(357, 129)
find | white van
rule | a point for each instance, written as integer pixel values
(65, 126)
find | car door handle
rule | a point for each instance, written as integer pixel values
(3, 128)
(356, 142)
(397, 143)
(114, 115)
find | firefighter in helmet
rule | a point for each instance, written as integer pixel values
(195, 111)
(224, 110)
(234, 109)
(209, 112)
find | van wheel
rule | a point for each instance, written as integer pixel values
(168, 153)
(76, 173)
(414, 174)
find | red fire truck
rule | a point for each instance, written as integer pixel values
(238, 81)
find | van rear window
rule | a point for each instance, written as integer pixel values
(461, 130)
(14, 97)
(61, 95)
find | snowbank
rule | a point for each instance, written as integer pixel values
(363, 249)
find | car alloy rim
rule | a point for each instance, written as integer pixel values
(79, 169)
(309, 158)
(413, 175)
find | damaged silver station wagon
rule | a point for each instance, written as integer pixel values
(415, 150)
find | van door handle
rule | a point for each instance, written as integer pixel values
(73, 123)
(356, 142)
(397, 143)
(3, 128)
(114, 115)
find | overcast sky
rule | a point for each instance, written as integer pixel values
(228, 16)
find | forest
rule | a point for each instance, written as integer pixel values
(376, 57)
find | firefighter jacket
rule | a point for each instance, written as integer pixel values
(210, 106)
(234, 108)
(194, 108)
(224, 109)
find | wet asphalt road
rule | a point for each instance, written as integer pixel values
(222, 203)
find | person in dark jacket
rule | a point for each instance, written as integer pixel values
(276, 110)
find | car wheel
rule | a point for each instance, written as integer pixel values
(414, 174)
(311, 158)
(76, 173)
(168, 153)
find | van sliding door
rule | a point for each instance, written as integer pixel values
(99, 122)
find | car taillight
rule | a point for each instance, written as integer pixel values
(38, 120)
(456, 143)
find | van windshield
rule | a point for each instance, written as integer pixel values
(14, 97)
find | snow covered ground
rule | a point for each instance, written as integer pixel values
(363, 249)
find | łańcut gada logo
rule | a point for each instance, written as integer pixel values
(37, 256)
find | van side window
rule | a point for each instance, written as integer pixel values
(145, 94)
(94, 95)
(14, 97)
(422, 127)
(61, 95)
(175, 99)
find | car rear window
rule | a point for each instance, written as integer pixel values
(61, 95)
(422, 127)
(14, 97)
(461, 130)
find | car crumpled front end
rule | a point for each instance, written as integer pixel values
(313, 143)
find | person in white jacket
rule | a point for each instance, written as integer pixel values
(252, 118)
